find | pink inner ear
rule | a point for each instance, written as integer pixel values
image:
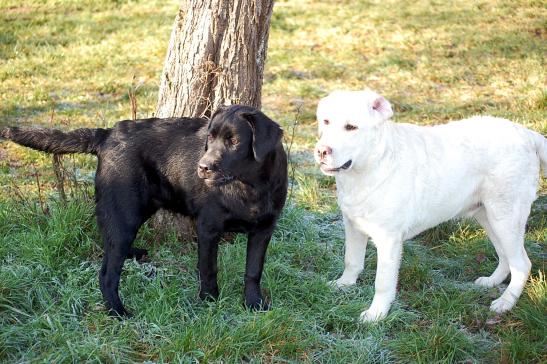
(378, 104)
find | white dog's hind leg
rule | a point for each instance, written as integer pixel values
(520, 268)
(387, 269)
(519, 265)
(354, 257)
(502, 270)
(510, 231)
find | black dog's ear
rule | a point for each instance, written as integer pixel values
(266, 133)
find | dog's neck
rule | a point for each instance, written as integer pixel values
(378, 147)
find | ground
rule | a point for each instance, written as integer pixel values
(72, 63)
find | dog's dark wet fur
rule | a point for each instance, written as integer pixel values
(229, 173)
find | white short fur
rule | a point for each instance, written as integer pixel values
(404, 179)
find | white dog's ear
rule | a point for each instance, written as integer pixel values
(382, 107)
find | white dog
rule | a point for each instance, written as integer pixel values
(397, 180)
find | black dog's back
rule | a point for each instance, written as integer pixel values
(158, 160)
(142, 133)
(153, 148)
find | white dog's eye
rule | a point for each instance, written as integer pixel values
(326, 122)
(350, 127)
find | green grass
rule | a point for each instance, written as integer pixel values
(71, 63)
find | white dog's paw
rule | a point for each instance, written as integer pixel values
(485, 282)
(373, 314)
(501, 305)
(341, 283)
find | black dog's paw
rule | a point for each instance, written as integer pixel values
(120, 313)
(209, 294)
(257, 304)
(141, 255)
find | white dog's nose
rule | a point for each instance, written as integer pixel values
(323, 151)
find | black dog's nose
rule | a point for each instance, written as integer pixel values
(203, 167)
(205, 170)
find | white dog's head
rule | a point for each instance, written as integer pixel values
(347, 120)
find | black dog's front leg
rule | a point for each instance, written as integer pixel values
(257, 243)
(208, 238)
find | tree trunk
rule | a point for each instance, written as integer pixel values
(216, 57)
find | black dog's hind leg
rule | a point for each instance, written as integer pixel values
(257, 243)
(208, 238)
(137, 253)
(118, 234)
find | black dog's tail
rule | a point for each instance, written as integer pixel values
(55, 141)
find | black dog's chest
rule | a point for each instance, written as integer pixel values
(247, 225)
(249, 214)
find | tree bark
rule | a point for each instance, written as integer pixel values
(216, 56)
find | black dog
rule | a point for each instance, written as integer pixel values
(229, 173)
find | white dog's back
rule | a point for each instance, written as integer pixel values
(501, 158)
(493, 136)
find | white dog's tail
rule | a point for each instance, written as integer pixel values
(541, 149)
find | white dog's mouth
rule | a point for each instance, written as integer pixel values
(328, 170)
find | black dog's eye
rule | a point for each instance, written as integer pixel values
(231, 141)
(326, 122)
(350, 127)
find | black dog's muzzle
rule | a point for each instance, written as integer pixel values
(213, 176)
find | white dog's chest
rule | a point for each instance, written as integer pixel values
(378, 232)
(368, 215)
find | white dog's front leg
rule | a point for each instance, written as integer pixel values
(354, 258)
(389, 259)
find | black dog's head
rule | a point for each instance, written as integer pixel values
(238, 141)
